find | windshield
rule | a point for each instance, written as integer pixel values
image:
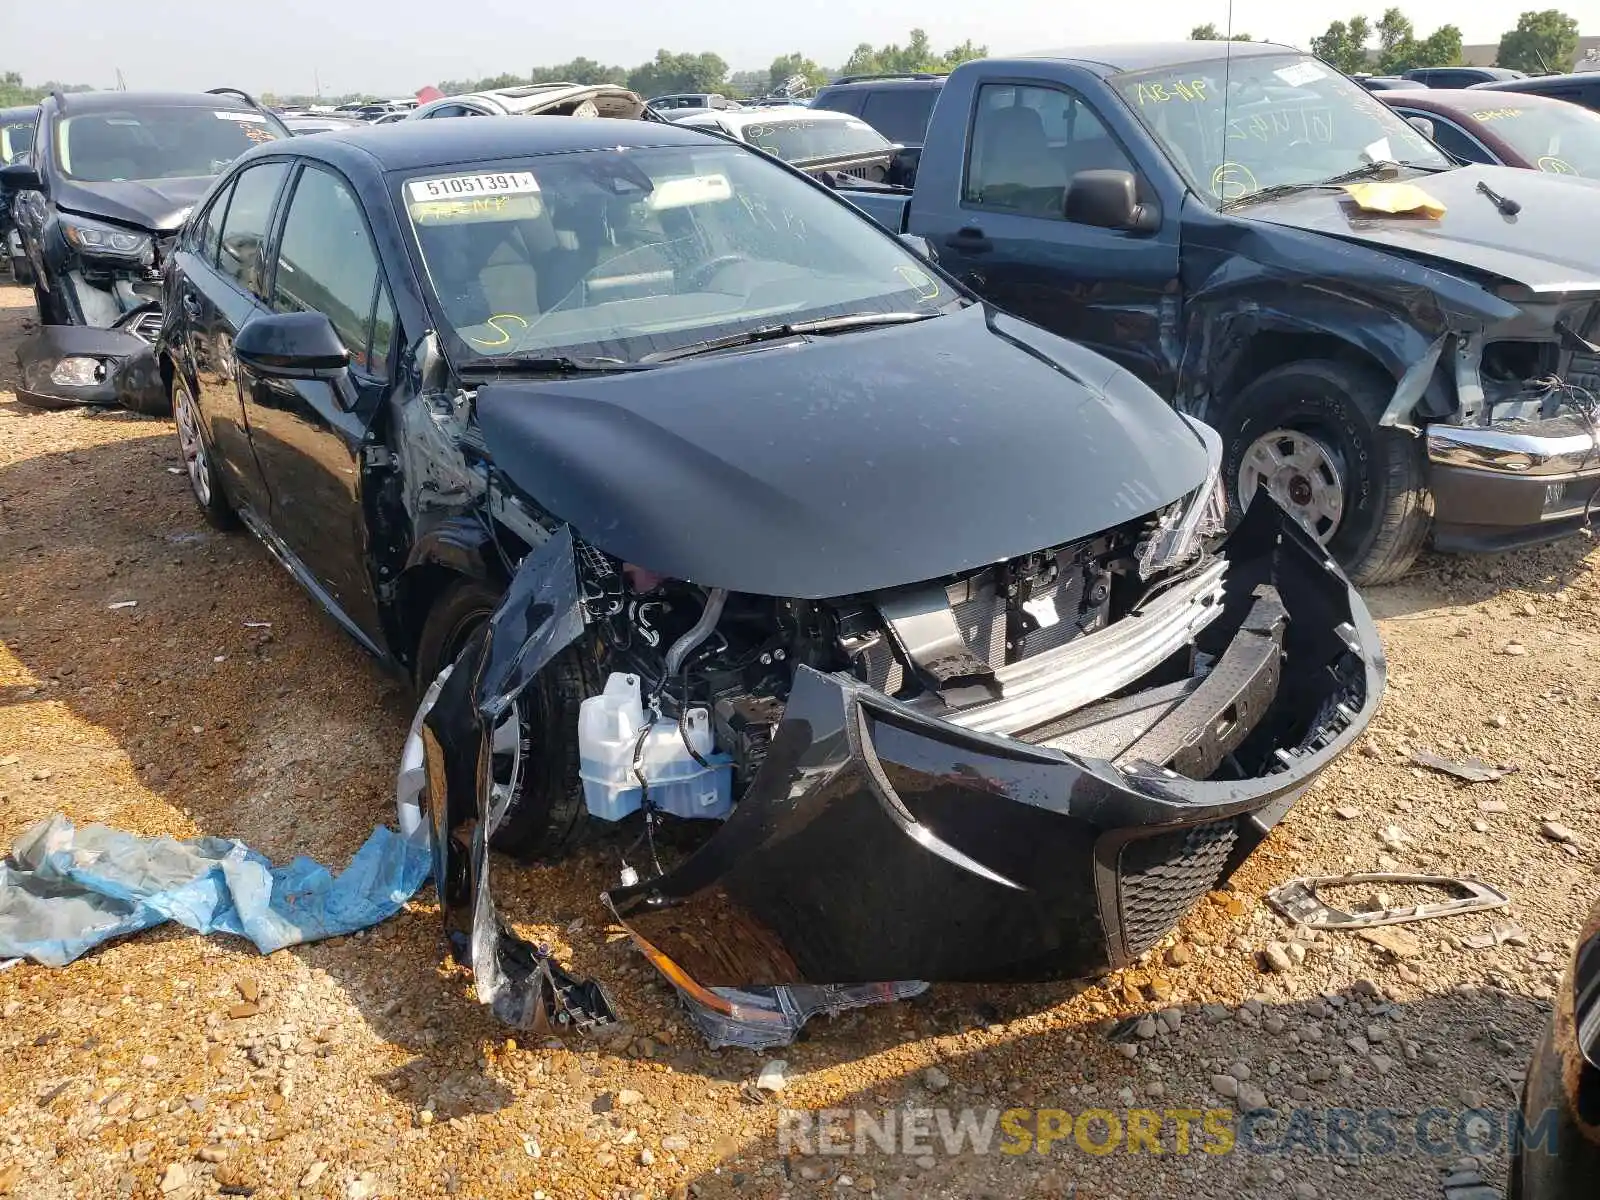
(1554, 136)
(1267, 120)
(624, 253)
(157, 142)
(801, 139)
(16, 138)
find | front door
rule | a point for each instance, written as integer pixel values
(1113, 290)
(308, 434)
(219, 289)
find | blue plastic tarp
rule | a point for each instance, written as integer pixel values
(66, 890)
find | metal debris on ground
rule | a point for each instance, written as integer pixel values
(1501, 933)
(1472, 770)
(1300, 902)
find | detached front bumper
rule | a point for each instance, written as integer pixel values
(1503, 487)
(879, 842)
(68, 365)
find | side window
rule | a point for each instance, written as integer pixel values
(900, 113)
(327, 264)
(1027, 144)
(243, 241)
(204, 235)
(1453, 139)
(845, 100)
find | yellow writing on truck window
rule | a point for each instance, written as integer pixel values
(1313, 125)
(494, 324)
(1191, 91)
(1556, 166)
(1497, 114)
(1232, 180)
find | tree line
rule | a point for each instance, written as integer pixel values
(671, 72)
(1541, 42)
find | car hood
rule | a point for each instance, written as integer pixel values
(159, 205)
(849, 462)
(1547, 247)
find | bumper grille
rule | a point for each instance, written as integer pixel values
(1160, 878)
(146, 325)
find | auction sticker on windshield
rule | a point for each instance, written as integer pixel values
(449, 187)
(243, 118)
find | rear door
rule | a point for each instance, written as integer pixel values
(1008, 238)
(308, 433)
(220, 288)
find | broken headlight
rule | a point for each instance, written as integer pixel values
(1184, 525)
(95, 240)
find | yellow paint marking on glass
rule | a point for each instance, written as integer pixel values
(1497, 114)
(465, 210)
(927, 287)
(1189, 91)
(1556, 166)
(494, 324)
(1232, 180)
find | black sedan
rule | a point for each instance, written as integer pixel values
(687, 495)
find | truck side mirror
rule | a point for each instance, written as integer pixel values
(1109, 200)
(21, 177)
(1422, 125)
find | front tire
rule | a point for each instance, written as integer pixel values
(198, 460)
(1309, 431)
(536, 750)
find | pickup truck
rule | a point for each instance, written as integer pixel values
(1183, 209)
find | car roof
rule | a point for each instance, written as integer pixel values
(84, 102)
(1540, 83)
(885, 81)
(1465, 100)
(1146, 56)
(19, 110)
(409, 145)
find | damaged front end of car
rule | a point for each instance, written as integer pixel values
(64, 366)
(1029, 772)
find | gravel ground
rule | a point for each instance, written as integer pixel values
(175, 1066)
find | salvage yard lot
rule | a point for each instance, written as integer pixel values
(173, 1066)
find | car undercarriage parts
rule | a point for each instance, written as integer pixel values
(1300, 902)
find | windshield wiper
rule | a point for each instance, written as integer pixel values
(1364, 171)
(772, 333)
(554, 364)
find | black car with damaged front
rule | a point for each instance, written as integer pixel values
(686, 494)
(109, 181)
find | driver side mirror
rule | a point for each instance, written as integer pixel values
(1109, 200)
(21, 177)
(300, 345)
(1422, 125)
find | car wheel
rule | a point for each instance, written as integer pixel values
(536, 745)
(1309, 432)
(198, 460)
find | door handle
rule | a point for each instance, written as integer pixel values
(969, 239)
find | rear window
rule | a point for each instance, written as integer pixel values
(900, 114)
(801, 140)
(16, 138)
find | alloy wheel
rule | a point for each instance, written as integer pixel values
(190, 441)
(1302, 473)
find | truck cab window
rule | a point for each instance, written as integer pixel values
(1027, 144)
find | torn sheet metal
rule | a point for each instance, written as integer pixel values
(1471, 770)
(470, 775)
(766, 1018)
(1299, 901)
(66, 890)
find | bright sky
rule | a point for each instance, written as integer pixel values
(396, 46)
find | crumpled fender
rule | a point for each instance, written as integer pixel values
(1243, 278)
(132, 373)
(540, 616)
